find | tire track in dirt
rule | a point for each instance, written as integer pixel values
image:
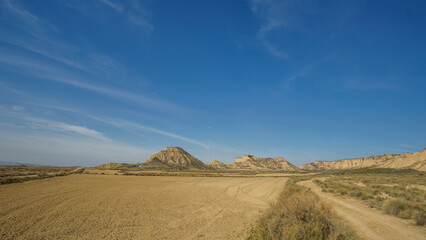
(236, 197)
(134, 207)
(214, 201)
(29, 205)
(368, 222)
(205, 205)
(217, 215)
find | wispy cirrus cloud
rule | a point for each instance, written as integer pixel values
(44, 70)
(137, 15)
(66, 128)
(114, 5)
(30, 32)
(19, 117)
(300, 73)
(38, 36)
(64, 150)
(140, 21)
(70, 133)
(125, 124)
(278, 16)
(131, 10)
(30, 139)
(303, 71)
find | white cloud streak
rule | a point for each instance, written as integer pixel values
(18, 114)
(35, 68)
(124, 124)
(60, 150)
(116, 6)
(140, 21)
(28, 139)
(38, 36)
(297, 75)
(278, 15)
(67, 128)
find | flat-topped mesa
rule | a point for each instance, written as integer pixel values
(244, 158)
(279, 163)
(252, 162)
(176, 156)
(415, 161)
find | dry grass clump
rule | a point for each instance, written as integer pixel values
(420, 219)
(299, 214)
(406, 209)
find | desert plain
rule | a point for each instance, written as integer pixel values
(92, 206)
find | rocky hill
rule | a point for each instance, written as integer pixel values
(176, 156)
(111, 165)
(171, 158)
(252, 162)
(218, 165)
(415, 161)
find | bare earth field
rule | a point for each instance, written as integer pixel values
(368, 222)
(88, 206)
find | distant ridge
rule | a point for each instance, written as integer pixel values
(111, 165)
(415, 161)
(252, 162)
(5, 163)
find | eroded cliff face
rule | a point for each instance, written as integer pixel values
(415, 161)
(252, 162)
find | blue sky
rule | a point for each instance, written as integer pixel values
(89, 82)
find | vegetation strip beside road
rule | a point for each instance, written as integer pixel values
(299, 214)
(368, 222)
(396, 192)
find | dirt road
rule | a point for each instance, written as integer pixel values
(368, 222)
(134, 207)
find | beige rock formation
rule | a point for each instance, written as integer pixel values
(252, 162)
(415, 161)
(171, 158)
(218, 165)
(176, 156)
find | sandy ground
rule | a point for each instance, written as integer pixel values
(368, 222)
(134, 207)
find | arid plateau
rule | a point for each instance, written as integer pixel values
(174, 195)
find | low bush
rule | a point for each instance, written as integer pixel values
(299, 214)
(419, 218)
(394, 207)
